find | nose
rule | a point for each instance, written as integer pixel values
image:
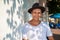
(37, 13)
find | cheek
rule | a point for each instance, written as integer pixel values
(33, 15)
(40, 15)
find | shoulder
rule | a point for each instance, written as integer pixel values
(46, 25)
(25, 26)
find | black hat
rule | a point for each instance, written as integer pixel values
(35, 6)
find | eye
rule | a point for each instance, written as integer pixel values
(39, 12)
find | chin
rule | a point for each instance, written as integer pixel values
(36, 19)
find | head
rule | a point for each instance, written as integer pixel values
(36, 14)
(36, 11)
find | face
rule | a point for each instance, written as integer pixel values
(36, 14)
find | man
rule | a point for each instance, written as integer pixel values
(35, 29)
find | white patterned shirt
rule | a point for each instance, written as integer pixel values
(39, 32)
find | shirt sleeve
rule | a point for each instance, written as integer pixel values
(49, 32)
(24, 32)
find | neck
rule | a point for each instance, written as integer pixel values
(35, 22)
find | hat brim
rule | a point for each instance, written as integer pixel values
(42, 9)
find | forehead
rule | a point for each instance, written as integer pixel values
(36, 10)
